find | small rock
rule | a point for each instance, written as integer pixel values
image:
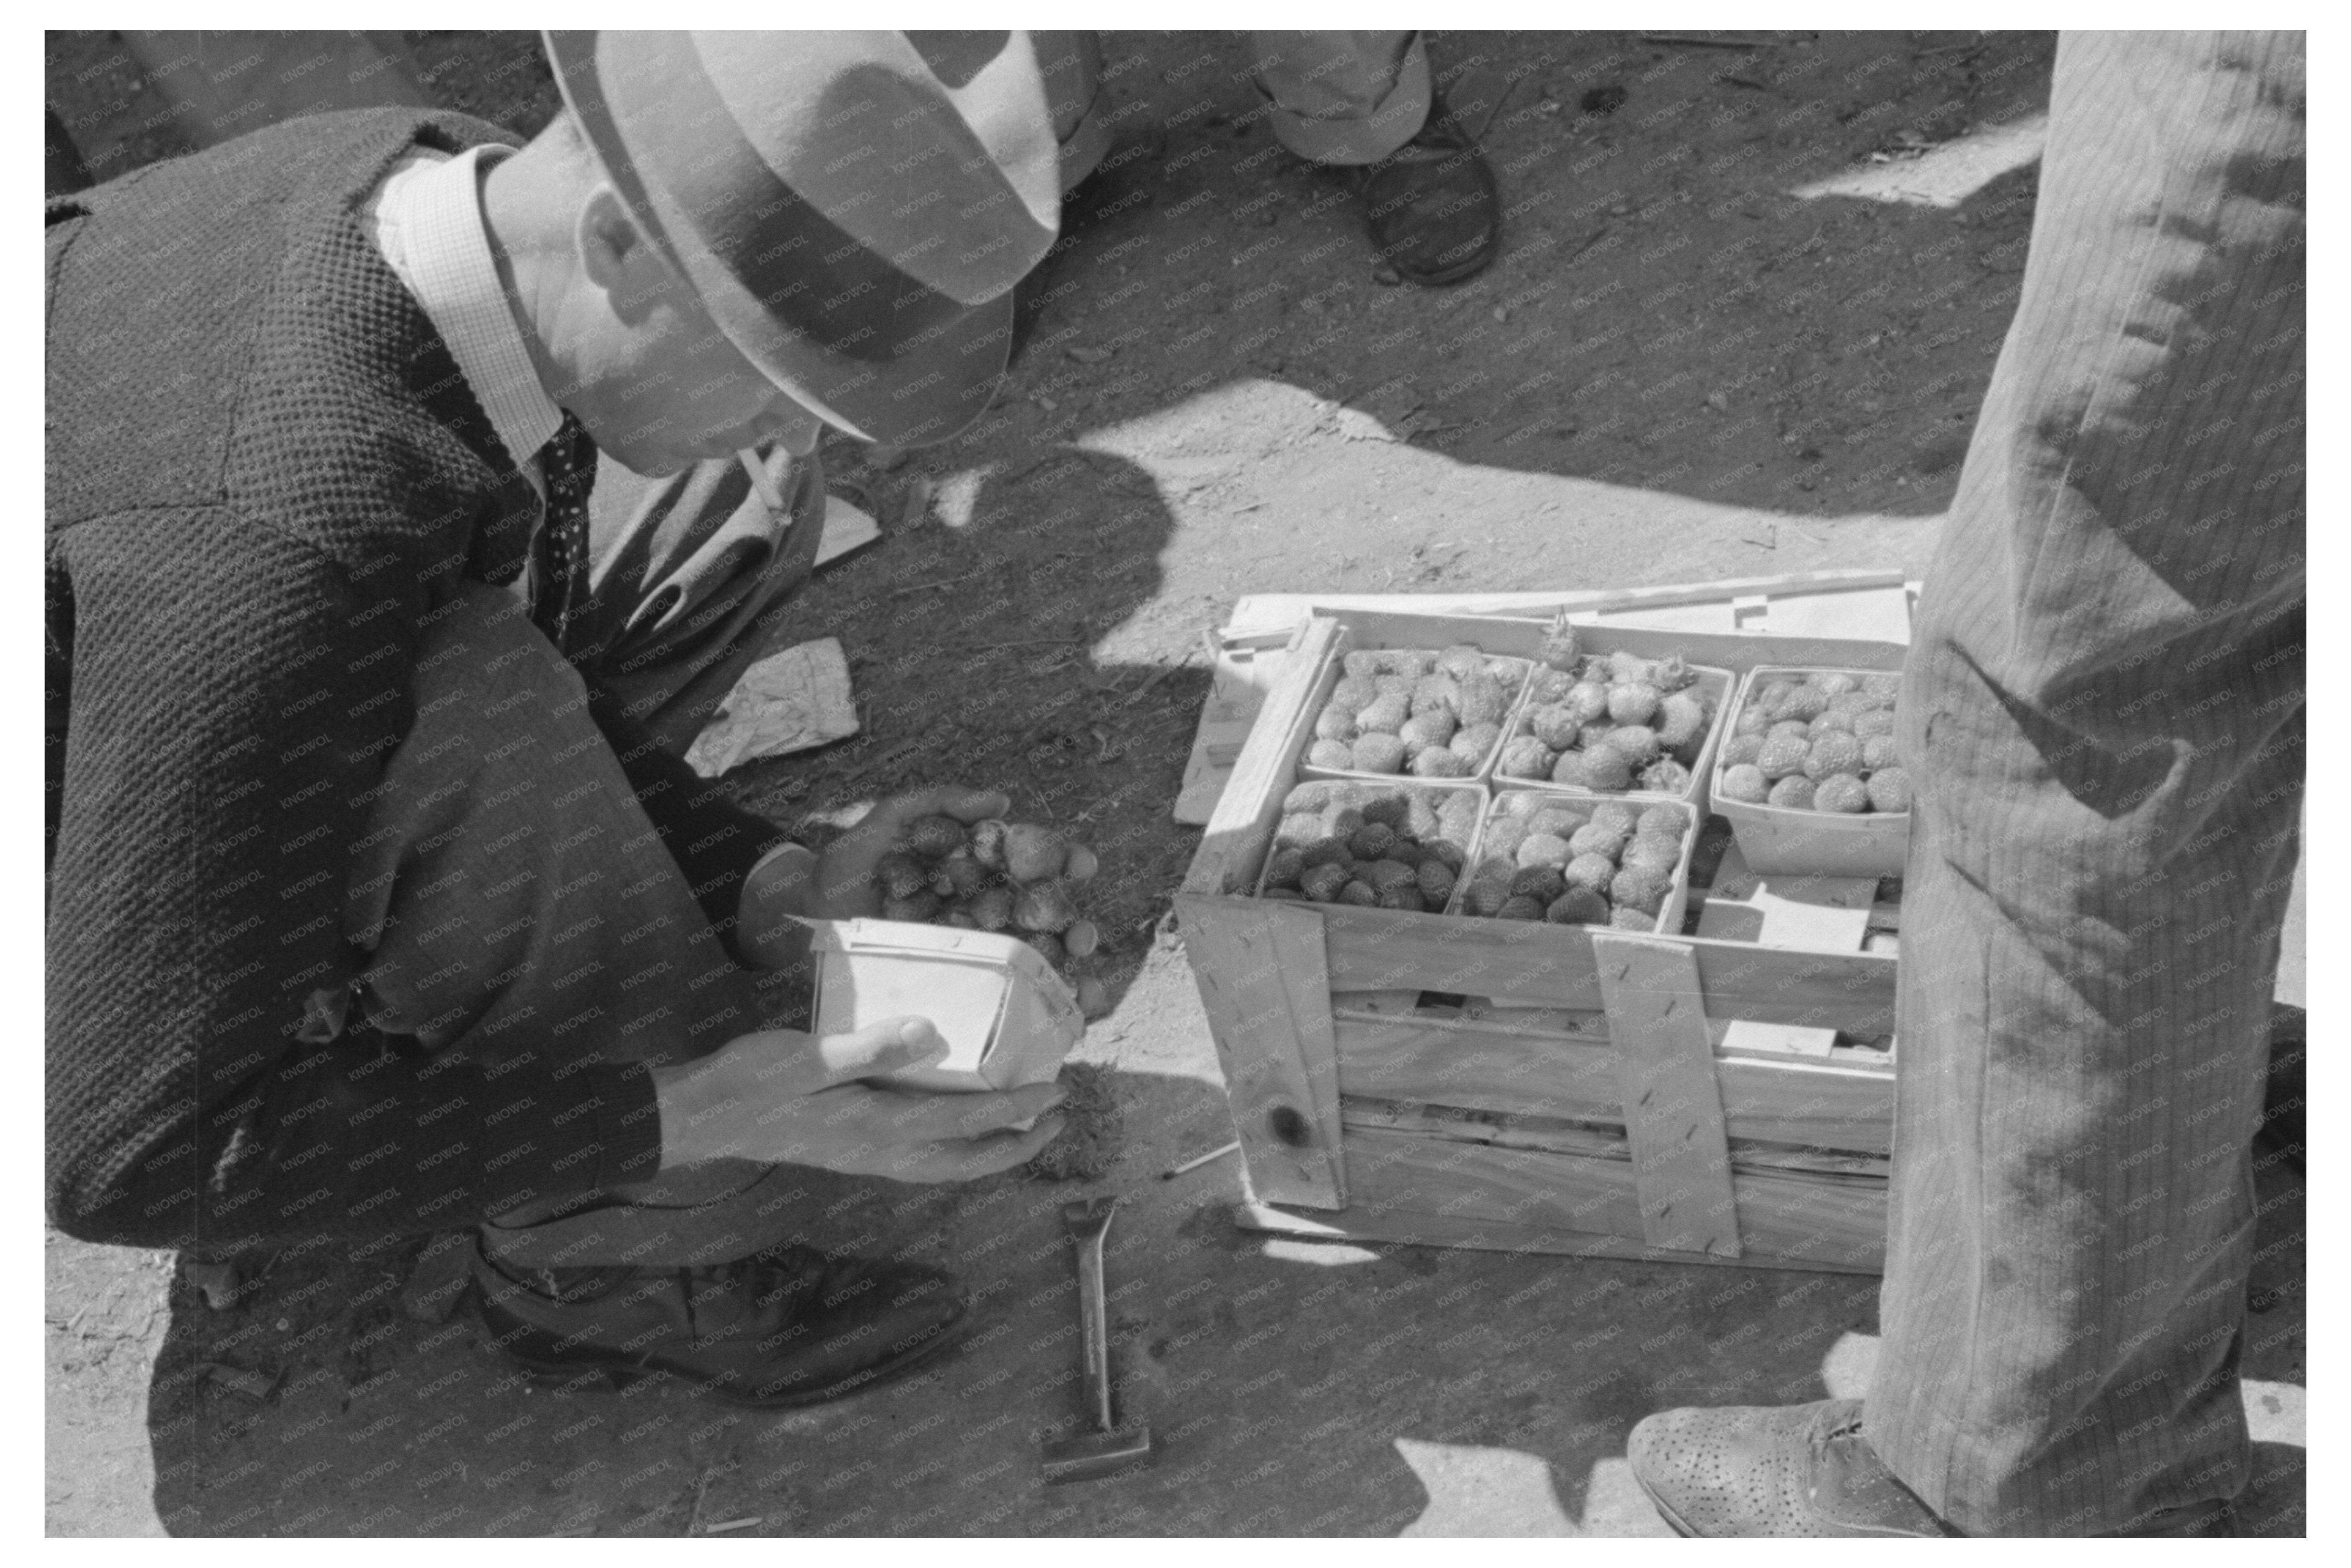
(1501, 313)
(1086, 356)
(1386, 277)
(1718, 401)
(239, 1380)
(1041, 401)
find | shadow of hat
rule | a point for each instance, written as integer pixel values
(852, 208)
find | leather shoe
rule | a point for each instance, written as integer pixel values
(1806, 1470)
(1773, 1469)
(1432, 206)
(784, 1327)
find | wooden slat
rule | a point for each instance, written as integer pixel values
(1477, 1067)
(1673, 1111)
(1593, 1135)
(1785, 1221)
(1819, 1104)
(1375, 949)
(1299, 963)
(1266, 995)
(1875, 614)
(1398, 628)
(1258, 612)
(1401, 1227)
(1233, 847)
(1828, 913)
(1740, 652)
(1486, 1067)
(1852, 992)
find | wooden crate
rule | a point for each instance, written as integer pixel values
(1583, 1092)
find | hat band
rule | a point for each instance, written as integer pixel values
(806, 270)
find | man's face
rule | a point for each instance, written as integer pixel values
(657, 384)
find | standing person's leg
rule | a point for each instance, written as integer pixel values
(2103, 715)
(1344, 98)
(1366, 101)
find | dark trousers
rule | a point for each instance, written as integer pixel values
(2104, 714)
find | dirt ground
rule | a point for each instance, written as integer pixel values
(1681, 368)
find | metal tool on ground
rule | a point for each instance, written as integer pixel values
(1104, 1450)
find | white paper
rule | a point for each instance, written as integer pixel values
(787, 702)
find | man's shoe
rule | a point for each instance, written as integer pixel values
(1773, 1469)
(1433, 208)
(1805, 1469)
(784, 1327)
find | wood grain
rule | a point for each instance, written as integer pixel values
(1258, 612)
(1673, 1110)
(1373, 950)
(1232, 849)
(1497, 1067)
(1266, 993)
(1785, 1221)
(1404, 1226)
(1829, 914)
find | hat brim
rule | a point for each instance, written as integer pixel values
(925, 387)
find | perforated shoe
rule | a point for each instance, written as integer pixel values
(1773, 1469)
(1806, 1470)
(784, 1327)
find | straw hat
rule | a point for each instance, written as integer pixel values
(852, 208)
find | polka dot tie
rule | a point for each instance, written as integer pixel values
(568, 463)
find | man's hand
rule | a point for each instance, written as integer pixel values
(844, 886)
(781, 1097)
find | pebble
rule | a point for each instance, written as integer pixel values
(1386, 277)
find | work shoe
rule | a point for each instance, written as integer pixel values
(1433, 208)
(785, 1326)
(1806, 1470)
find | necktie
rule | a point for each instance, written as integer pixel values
(568, 464)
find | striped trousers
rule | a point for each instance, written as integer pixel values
(2103, 713)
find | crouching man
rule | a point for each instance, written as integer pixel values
(379, 899)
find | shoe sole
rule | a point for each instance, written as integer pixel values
(619, 1370)
(1665, 1513)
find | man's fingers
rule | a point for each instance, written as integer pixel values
(886, 1045)
(941, 1117)
(889, 818)
(969, 806)
(946, 801)
(970, 1159)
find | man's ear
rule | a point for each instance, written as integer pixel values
(615, 257)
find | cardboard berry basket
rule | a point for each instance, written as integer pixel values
(1525, 1086)
(1718, 685)
(1807, 843)
(1008, 1019)
(1666, 922)
(1514, 640)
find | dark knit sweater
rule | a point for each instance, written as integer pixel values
(264, 471)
